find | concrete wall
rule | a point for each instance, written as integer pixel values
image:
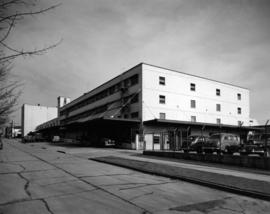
(243, 161)
(178, 95)
(32, 116)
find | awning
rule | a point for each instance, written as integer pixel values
(198, 124)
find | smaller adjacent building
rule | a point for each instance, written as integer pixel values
(34, 115)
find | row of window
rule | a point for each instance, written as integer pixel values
(162, 100)
(162, 81)
(162, 116)
(100, 109)
(107, 92)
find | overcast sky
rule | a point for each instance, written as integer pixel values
(223, 40)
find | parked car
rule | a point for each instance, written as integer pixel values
(194, 143)
(256, 144)
(222, 143)
(106, 142)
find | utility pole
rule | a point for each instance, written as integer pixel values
(265, 139)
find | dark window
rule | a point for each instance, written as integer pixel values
(111, 89)
(126, 116)
(218, 92)
(239, 96)
(162, 80)
(218, 121)
(162, 99)
(117, 87)
(218, 107)
(193, 103)
(134, 115)
(135, 99)
(239, 110)
(162, 116)
(134, 79)
(193, 118)
(126, 83)
(156, 139)
(192, 87)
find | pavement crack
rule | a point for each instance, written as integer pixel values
(26, 184)
(47, 205)
(15, 201)
(87, 182)
(16, 164)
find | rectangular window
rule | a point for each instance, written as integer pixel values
(162, 116)
(192, 87)
(218, 121)
(134, 115)
(134, 99)
(193, 103)
(238, 96)
(162, 80)
(156, 139)
(162, 99)
(239, 110)
(218, 107)
(193, 118)
(134, 79)
(218, 92)
(126, 83)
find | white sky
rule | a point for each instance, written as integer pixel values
(223, 40)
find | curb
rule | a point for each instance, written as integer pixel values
(173, 172)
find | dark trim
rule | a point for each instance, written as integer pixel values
(177, 122)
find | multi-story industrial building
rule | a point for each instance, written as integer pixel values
(141, 106)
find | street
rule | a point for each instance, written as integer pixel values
(42, 178)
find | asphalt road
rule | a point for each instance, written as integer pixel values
(40, 178)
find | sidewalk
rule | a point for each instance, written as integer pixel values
(241, 182)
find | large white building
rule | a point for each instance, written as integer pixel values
(148, 100)
(173, 95)
(34, 115)
(152, 92)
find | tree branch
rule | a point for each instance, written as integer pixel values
(30, 13)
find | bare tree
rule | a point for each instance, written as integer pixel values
(12, 12)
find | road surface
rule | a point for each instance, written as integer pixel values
(40, 178)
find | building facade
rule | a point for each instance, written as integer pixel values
(138, 105)
(34, 115)
(172, 95)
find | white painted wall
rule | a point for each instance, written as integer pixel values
(178, 96)
(32, 116)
